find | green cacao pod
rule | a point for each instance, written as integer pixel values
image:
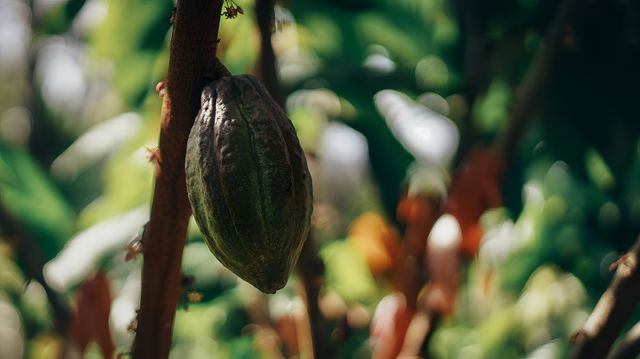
(248, 182)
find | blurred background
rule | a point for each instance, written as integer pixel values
(391, 99)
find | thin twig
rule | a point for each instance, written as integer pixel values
(192, 63)
(613, 310)
(530, 92)
(629, 347)
(311, 271)
(476, 65)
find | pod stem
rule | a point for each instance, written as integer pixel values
(266, 66)
(192, 63)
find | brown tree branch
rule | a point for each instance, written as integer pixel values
(192, 63)
(629, 347)
(613, 310)
(529, 94)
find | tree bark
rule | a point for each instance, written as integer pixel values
(192, 64)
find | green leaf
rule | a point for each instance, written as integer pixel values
(347, 273)
(29, 195)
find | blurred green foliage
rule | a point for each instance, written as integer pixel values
(571, 197)
(30, 196)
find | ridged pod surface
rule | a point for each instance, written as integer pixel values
(248, 182)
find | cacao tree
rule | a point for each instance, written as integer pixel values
(473, 169)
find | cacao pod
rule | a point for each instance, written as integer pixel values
(248, 182)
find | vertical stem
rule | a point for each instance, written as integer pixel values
(266, 70)
(192, 63)
(535, 80)
(473, 17)
(311, 269)
(310, 266)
